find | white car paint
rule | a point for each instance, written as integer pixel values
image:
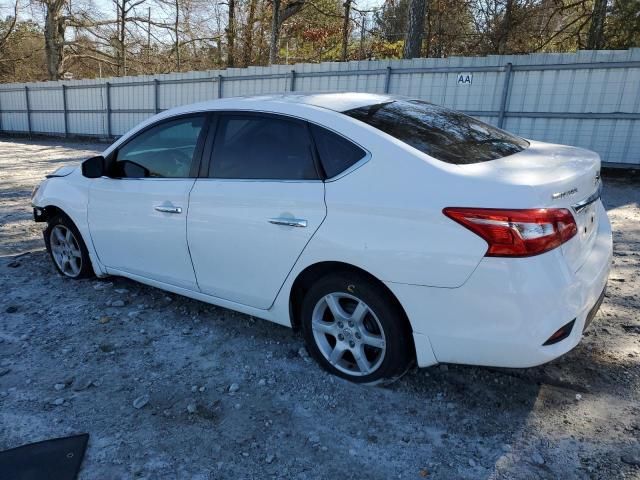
(123, 221)
(237, 254)
(384, 216)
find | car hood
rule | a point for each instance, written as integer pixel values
(62, 171)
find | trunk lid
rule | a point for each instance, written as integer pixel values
(557, 176)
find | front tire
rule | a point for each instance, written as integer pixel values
(67, 249)
(355, 330)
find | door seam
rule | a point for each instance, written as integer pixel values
(186, 232)
(326, 214)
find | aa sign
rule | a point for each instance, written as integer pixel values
(465, 78)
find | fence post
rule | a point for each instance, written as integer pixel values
(26, 99)
(292, 84)
(108, 94)
(156, 95)
(387, 80)
(505, 93)
(0, 114)
(64, 108)
(219, 86)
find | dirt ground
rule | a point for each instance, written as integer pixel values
(230, 396)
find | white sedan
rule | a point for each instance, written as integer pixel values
(390, 230)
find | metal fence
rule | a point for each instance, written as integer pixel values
(590, 98)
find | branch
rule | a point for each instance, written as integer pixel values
(290, 10)
(11, 26)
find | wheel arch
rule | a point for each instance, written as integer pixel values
(315, 271)
(51, 210)
(44, 214)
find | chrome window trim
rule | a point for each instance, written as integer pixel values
(352, 168)
(253, 180)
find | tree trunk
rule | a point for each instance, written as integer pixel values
(279, 17)
(275, 33)
(345, 30)
(121, 51)
(231, 34)
(262, 44)
(505, 28)
(428, 16)
(248, 34)
(363, 18)
(176, 32)
(595, 40)
(54, 28)
(415, 29)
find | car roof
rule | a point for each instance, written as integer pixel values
(335, 101)
(330, 101)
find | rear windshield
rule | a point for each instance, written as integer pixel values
(443, 134)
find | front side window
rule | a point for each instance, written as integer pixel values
(441, 133)
(162, 151)
(262, 147)
(336, 153)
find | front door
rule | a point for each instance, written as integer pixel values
(138, 215)
(259, 206)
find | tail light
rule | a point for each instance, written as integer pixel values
(517, 233)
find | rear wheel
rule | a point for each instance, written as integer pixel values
(355, 330)
(67, 249)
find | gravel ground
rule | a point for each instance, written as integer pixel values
(222, 395)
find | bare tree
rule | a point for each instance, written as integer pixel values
(176, 33)
(54, 30)
(345, 30)
(9, 26)
(505, 27)
(231, 34)
(415, 29)
(247, 44)
(124, 11)
(281, 15)
(595, 40)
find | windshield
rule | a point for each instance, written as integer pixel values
(441, 133)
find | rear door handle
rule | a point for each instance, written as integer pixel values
(162, 209)
(289, 222)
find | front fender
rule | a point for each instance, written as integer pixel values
(71, 195)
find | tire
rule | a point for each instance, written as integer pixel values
(350, 311)
(67, 248)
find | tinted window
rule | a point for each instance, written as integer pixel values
(262, 147)
(164, 151)
(336, 153)
(444, 134)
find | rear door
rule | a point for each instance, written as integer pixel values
(138, 214)
(259, 205)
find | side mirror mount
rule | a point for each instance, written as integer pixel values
(129, 169)
(94, 167)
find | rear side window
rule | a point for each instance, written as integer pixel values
(441, 133)
(336, 153)
(163, 151)
(262, 147)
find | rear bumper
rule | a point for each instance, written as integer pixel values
(508, 308)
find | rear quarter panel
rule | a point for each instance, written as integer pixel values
(386, 216)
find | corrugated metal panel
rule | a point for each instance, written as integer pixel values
(87, 124)
(556, 97)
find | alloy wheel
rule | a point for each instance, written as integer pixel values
(348, 334)
(66, 251)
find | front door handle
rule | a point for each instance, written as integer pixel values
(162, 209)
(289, 222)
